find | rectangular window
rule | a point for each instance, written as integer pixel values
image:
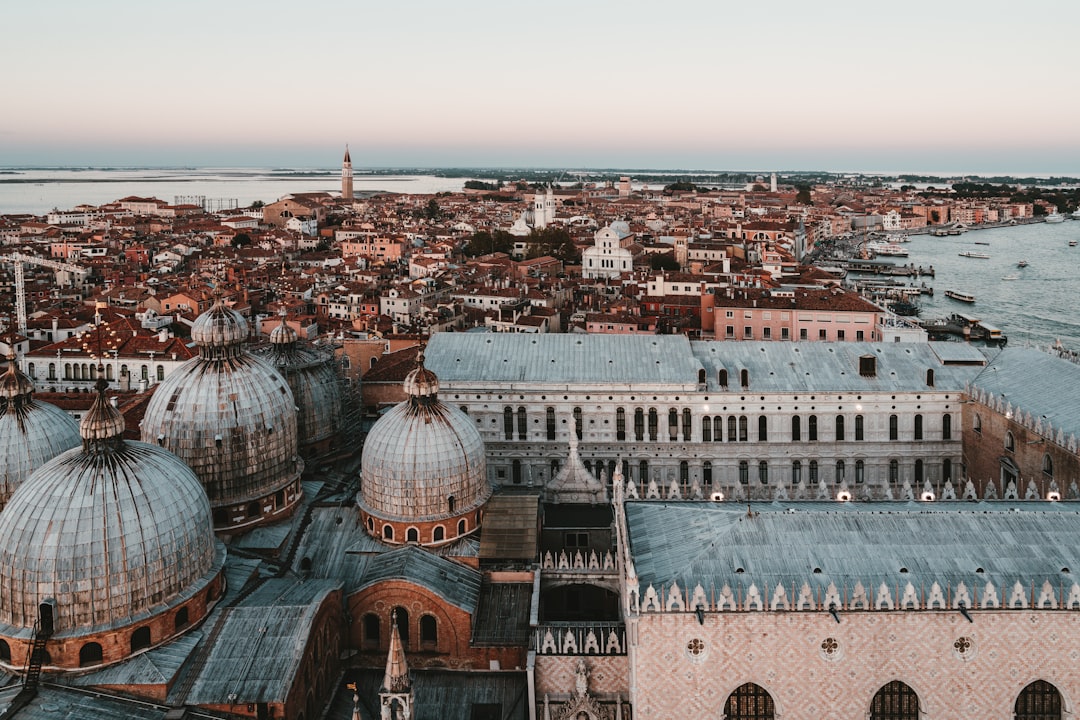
(785, 334)
(748, 333)
(822, 334)
(730, 332)
(802, 333)
(840, 335)
(859, 335)
(766, 333)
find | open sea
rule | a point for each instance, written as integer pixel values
(1040, 307)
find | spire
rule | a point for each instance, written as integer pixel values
(395, 695)
(396, 679)
(347, 158)
(15, 386)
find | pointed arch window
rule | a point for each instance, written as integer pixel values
(895, 701)
(1048, 466)
(1038, 701)
(750, 702)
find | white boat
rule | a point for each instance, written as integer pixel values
(1055, 218)
(1022, 264)
(1076, 214)
(1010, 277)
(961, 296)
(1072, 243)
(973, 254)
(885, 248)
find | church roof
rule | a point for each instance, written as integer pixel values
(839, 545)
(260, 644)
(454, 583)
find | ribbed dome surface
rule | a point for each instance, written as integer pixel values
(233, 421)
(110, 533)
(419, 455)
(314, 384)
(283, 335)
(219, 328)
(31, 432)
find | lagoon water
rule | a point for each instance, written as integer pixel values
(37, 191)
(1039, 308)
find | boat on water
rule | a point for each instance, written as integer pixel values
(973, 254)
(1022, 264)
(1076, 214)
(886, 248)
(961, 296)
(981, 243)
(1055, 218)
(1010, 277)
(1072, 243)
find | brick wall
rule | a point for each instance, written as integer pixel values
(783, 652)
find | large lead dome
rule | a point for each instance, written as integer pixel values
(315, 386)
(31, 432)
(424, 477)
(232, 418)
(109, 536)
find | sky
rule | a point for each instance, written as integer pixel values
(965, 86)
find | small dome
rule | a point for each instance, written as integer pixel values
(423, 460)
(219, 328)
(102, 422)
(283, 334)
(31, 432)
(421, 382)
(14, 384)
(111, 532)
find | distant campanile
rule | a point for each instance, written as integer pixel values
(346, 176)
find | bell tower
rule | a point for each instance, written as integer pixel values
(346, 176)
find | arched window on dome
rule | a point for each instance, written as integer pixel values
(388, 532)
(451, 502)
(750, 702)
(180, 620)
(254, 509)
(412, 535)
(90, 654)
(429, 630)
(895, 701)
(402, 616)
(5, 652)
(370, 640)
(1038, 701)
(140, 638)
(438, 534)
(462, 526)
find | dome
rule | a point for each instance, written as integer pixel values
(112, 533)
(31, 432)
(424, 460)
(315, 385)
(220, 330)
(232, 418)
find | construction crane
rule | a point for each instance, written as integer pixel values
(18, 260)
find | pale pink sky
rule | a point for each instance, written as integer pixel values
(981, 86)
